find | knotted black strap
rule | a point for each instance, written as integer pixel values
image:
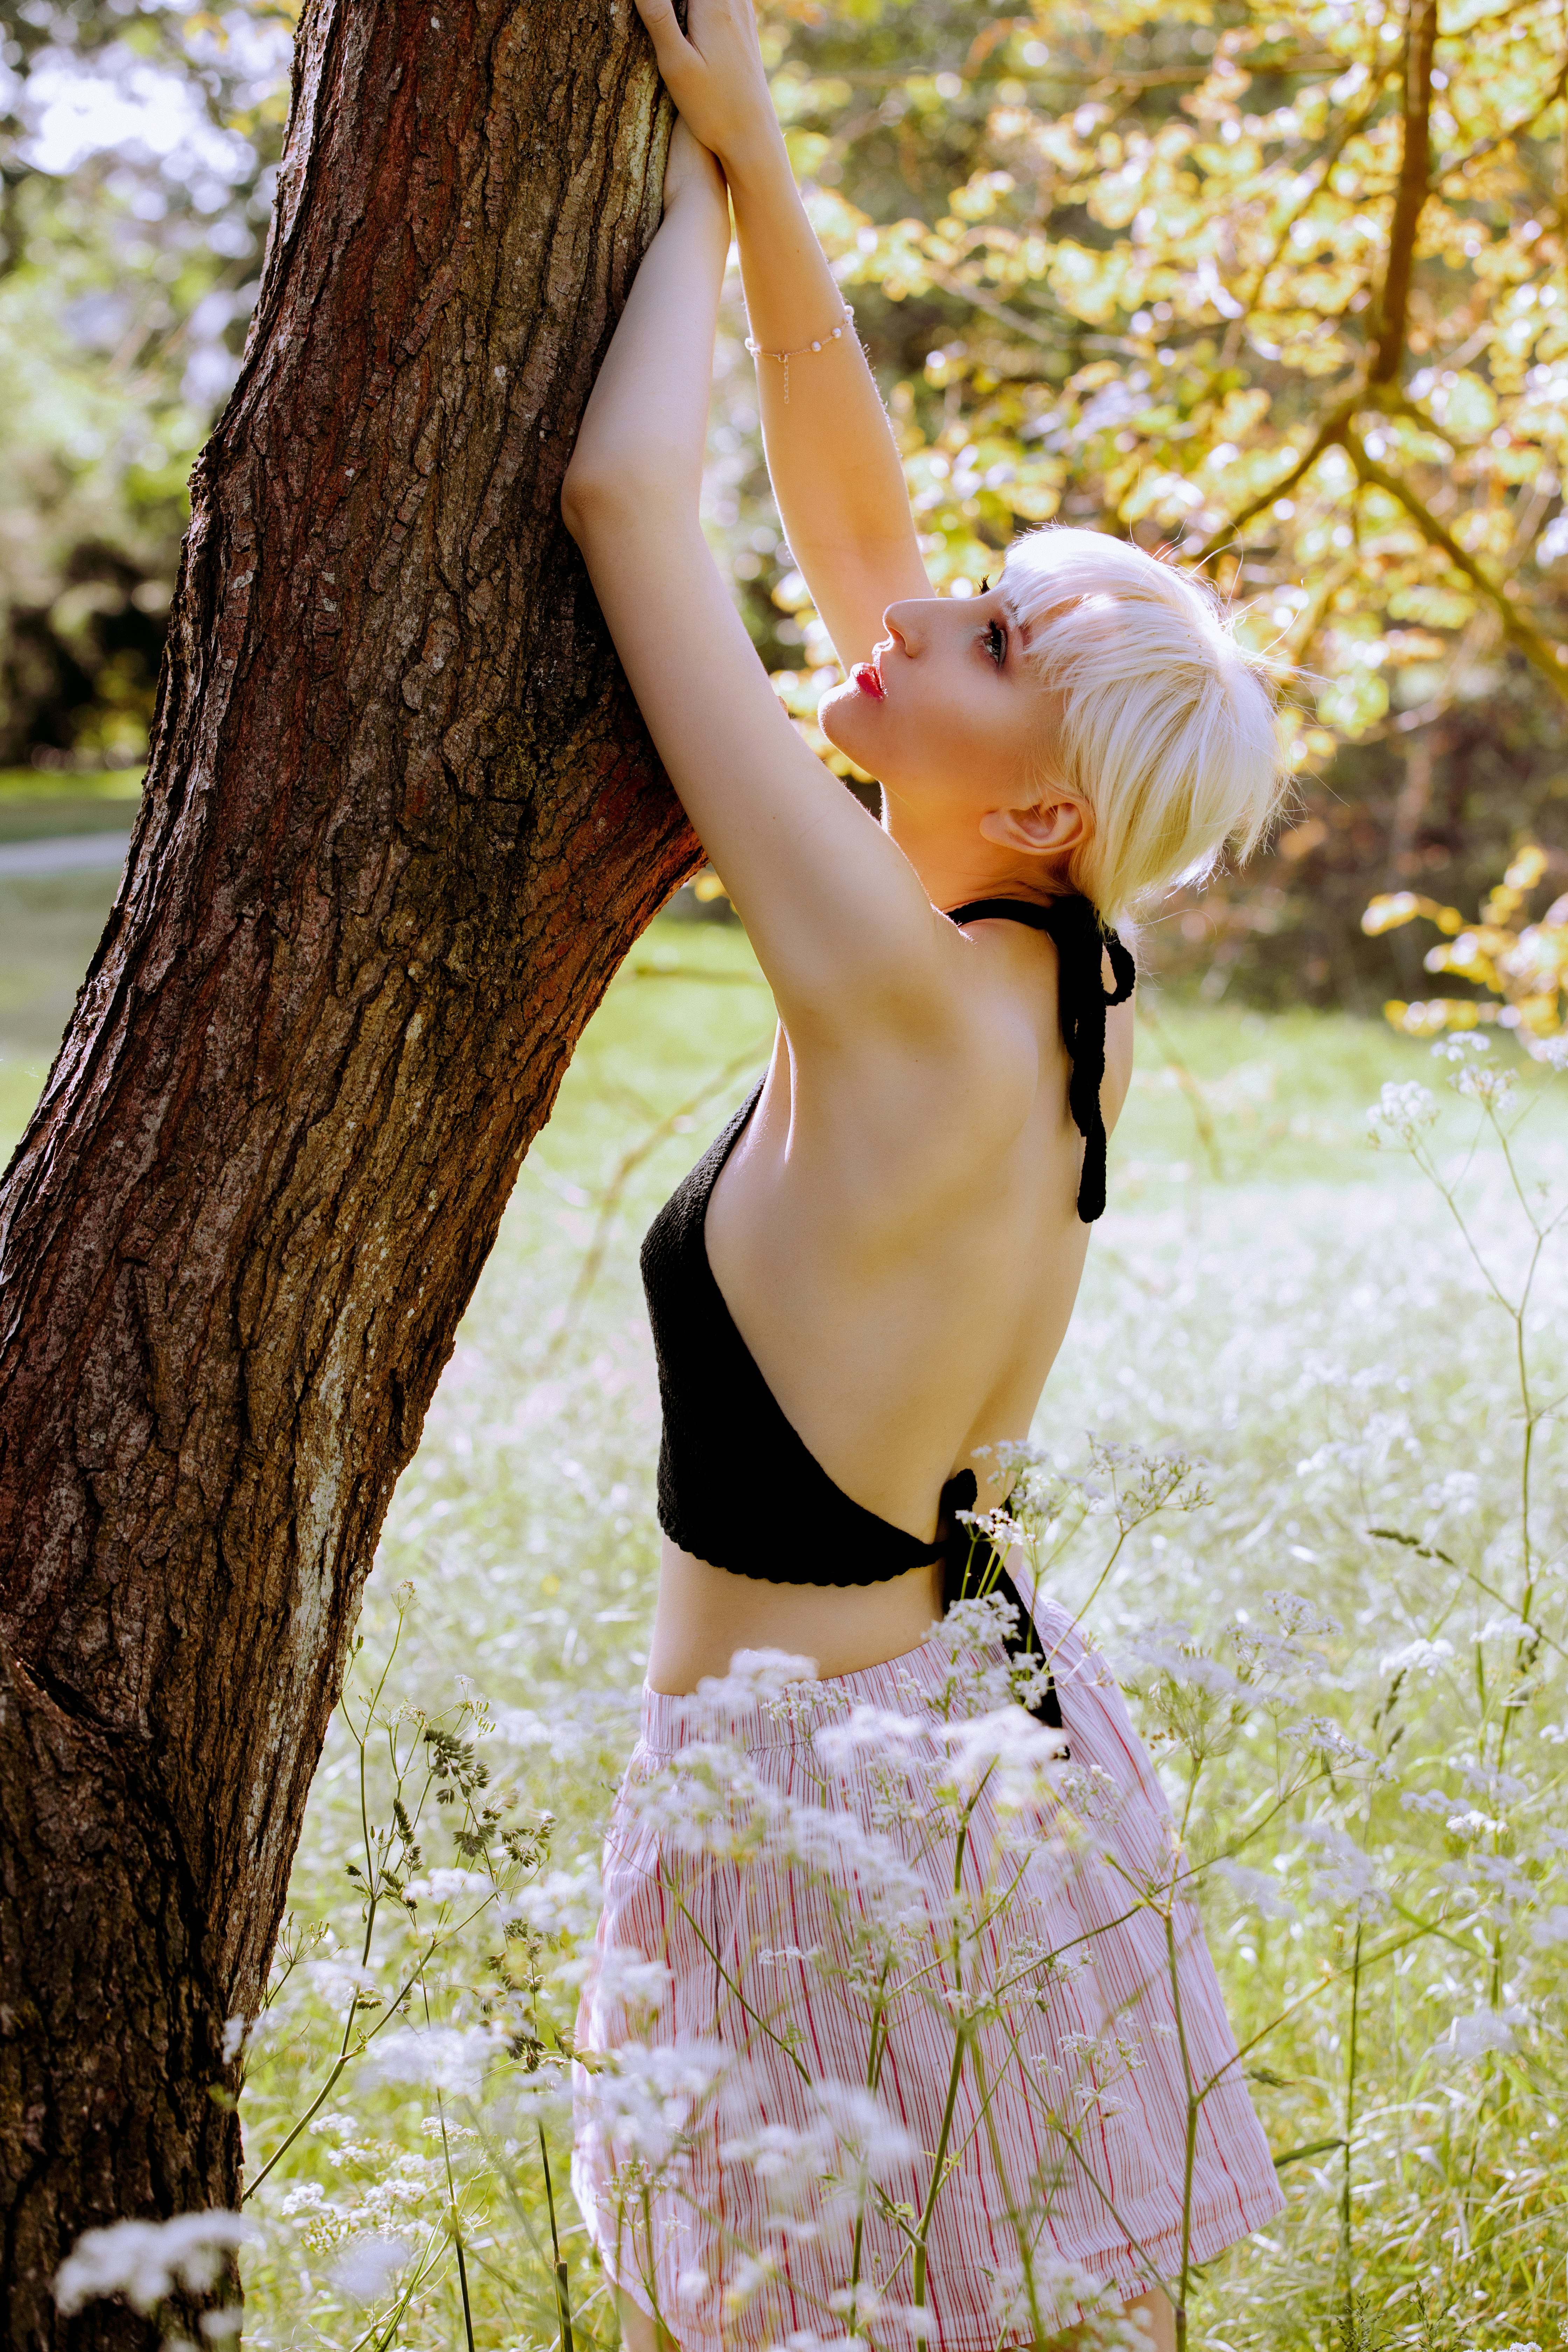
(1082, 941)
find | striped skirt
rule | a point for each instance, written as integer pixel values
(899, 2021)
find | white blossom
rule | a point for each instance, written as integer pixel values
(562, 1902)
(1343, 1875)
(337, 1982)
(439, 2057)
(1255, 1888)
(449, 1885)
(815, 2167)
(366, 2267)
(1320, 1731)
(755, 1676)
(1400, 1113)
(144, 2260)
(1416, 1657)
(628, 1978)
(643, 2096)
(1482, 2030)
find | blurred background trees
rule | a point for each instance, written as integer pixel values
(1277, 286)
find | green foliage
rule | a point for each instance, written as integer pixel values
(140, 147)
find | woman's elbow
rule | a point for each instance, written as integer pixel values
(604, 494)
(588, 499)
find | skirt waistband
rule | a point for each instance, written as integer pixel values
(786, 1715)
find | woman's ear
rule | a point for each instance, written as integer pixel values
(1060, 825)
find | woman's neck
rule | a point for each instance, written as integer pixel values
(957, 866)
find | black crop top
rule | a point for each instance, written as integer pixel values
(737, 1486)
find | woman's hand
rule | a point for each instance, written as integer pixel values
(692, 168)
(714, 73)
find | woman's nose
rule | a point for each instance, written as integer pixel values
(899, 621)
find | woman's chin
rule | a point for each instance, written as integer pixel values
(842, 714)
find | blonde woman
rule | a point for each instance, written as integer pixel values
(860, 1290)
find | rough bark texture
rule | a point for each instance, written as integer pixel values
(401, 824)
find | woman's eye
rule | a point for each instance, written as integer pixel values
(996, 642)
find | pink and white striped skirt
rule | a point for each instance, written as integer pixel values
(899, 2023)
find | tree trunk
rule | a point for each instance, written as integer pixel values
(401, 825)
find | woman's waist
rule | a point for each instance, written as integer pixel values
(705, 1615)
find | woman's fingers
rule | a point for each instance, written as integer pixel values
(671, 46)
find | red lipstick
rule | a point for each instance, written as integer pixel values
(868, 679)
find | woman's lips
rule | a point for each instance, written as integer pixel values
(868, 679)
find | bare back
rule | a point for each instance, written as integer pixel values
(898, 1239)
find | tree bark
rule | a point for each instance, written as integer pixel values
(401, 824)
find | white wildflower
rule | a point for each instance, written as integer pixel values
(1343, 1875)
(1482, 2030)
(1460, 1046)
(1551, 1927)
(625, 1978)
(1416, 1657)
(846, 2141)
(1320, 1732)
(1294, 1614)
(1010, 1750)
(1400, 1113)
(1494, 1090)
(438, 2057)
(366, 2267)
(1459, 1490)
(755, 1676)
(337, 1981)
(1171, 1648)
(449, 1885)
(1063, 2292)
(976, 1624)
(563, 1903)
(1425, 1800)
(643, 2097)
(875, 1730)
(1553, 1051)
(144, 2260)
(1255, 1888)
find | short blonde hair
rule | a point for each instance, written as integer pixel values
(1167, 726)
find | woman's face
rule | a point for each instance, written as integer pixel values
(948, 711)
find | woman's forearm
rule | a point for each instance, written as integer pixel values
(645, 429)
(831, 454)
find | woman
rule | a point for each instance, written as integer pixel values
(856, 1295)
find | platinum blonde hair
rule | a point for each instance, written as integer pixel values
(1167, 727)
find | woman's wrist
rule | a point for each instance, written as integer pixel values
(759, 165)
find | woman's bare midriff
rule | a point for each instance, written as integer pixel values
(705, 1615)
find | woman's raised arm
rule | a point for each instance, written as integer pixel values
(831, 454)
(840, 922)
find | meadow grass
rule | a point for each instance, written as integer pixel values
(1379, 1830)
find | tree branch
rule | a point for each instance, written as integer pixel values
(1332, 429)
(1410, 198)
(1521, 631)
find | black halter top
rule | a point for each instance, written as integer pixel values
(737, 1486)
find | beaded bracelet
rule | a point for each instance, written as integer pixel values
(801, 351)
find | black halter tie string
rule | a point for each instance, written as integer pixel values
(1082, 939)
